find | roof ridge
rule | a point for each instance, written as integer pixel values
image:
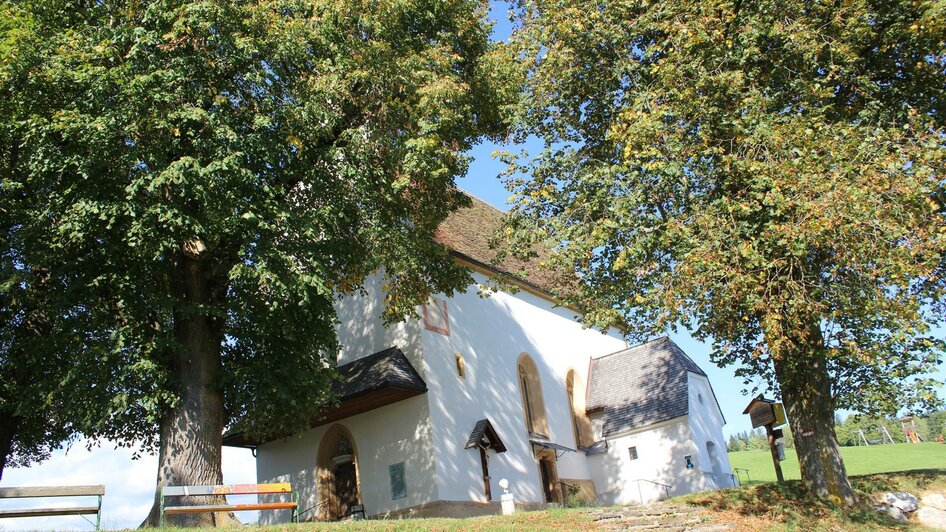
(686, 361)
(481, 200)
(629, 348)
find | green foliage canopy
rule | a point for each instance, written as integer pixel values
(291, 147)
(757, 170)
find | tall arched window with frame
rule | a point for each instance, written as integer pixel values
(533, 406)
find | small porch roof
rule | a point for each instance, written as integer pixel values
(484, 434)
(371, 382)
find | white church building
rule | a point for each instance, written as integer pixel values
(435, 411)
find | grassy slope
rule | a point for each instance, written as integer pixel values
(787, 506)
(768, 506)
(857, 460)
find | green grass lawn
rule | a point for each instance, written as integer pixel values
(857, 460)
(765, 506)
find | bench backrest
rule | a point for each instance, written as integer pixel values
(226, 489)
(52, 491)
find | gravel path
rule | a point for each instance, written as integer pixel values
(657, 516)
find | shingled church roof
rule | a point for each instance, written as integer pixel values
(641, 385)
(388, 368)
(468, 231)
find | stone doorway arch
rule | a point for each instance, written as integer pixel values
(337, 478)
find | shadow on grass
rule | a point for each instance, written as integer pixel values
(791, 504)
(915, 479)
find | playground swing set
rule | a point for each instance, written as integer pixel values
(909, 430)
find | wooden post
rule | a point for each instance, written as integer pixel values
(484, 462)
(774, 450)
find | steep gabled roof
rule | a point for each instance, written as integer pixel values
(468, 231)
(641, 385)
(388, 368)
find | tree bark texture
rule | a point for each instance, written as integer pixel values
(806, 392)
(192, 432)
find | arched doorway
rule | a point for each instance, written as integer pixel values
(548, 476)
(714, 461)
(337, 474)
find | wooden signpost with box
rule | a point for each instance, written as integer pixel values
(769, 414)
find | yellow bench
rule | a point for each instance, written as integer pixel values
(230, 489)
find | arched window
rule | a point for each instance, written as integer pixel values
(575, 387)
(533, 406)
(714, 463)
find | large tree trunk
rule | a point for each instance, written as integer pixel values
(806, 392)
(9, 424)
(192, 432)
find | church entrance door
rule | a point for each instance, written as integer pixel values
(548, 479)
(346, 488)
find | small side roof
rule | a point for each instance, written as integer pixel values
(757, 401)
(370, 382)
(388, 368)
(484, 434)
(641, 385)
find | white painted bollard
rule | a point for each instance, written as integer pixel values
(506, 502)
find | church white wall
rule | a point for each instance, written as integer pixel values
(706, 425)
(661, 452)
(361, 331)
(491, 333)
(399, 432)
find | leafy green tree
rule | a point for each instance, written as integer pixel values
(42, 403)
(769, 173)
(211, 174)
(937, 424)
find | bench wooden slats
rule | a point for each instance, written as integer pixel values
(22, 492)
(233, 489)
(38, 512)
(229, 507)
(282, 488)
(52, 491)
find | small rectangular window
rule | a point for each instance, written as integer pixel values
(633, 452)
(398, 485)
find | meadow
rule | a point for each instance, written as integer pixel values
(864, 460)
(759, 505)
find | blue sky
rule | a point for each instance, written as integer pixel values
(130, 483)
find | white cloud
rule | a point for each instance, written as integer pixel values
(129, 485)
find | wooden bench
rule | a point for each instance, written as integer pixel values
(232, 489)
(55, 491)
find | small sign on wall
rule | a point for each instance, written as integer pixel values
(398, 484)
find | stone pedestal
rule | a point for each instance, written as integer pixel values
(507, 504)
